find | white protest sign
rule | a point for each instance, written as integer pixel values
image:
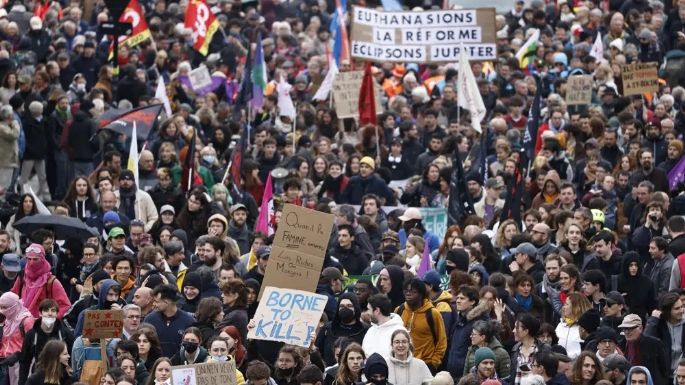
(199, 77)
(346, 88)
(287, 315)
(579, 89)
(423, 37)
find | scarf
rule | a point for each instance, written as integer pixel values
(525, 302)
(127, 201)
(14, 313)
(36, 276)
(633, 352)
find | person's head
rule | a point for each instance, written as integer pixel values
(379, 305)
(161, 370)
(467, 298)
(345, 236)
(132, 316)
(218, 349)
(482, 333)
(680, 372)
(364, 289)
(289, 360)
(552, 267)
(594, 282)
(415, 292)
(209, 310)
(526, 326)
(165, 297)
(352, 359)
(234, 293)
(658, 247)
(143, 297)
(54, 361)
(671, 306)
(484, 362)
(545, 363)
(191, 340)
(638, 376)
(127, 348)
(213, 249)
(258, 373)
(123, 267)
(569, 278)
(576, 304)
(48, 309)
(310, 375)
(586, 368)
(631, 327)
(148, 341)
(607, 340)
(614, 303)
(400, 344)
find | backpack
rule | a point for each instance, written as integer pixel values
(48, 286)
(429, 320)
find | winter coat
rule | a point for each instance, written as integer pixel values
(36, 339)
(358, 186)
(502, 360)
(569, 338)
(144, 208)
(37, 138)
(653, 357)
(377, 338)
(12, 344)
(80, 146)
(659, 329)
(9, 149)
(411, 371)
(241, 235)
(460, 334)
(353, 259)
(334, 329)
(638, 291)
(659, 272)
(180, 357)
(38, 378)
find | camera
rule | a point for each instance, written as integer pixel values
(653, 217)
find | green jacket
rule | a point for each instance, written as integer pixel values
(502, 359)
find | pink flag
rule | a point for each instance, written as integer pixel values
(425, 265)
(263, 222)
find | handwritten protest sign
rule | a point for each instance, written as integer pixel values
(200, 78)
(346, 88)
(214, 373)
(579, 89)
(298, 250)
(103, 323)
(423, 37)
(287, 315)
(639, 78)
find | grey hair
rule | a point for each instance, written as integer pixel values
(6, 112)
(130, 307)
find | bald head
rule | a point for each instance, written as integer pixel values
(108, 201)
(499, 125)
(146, 160)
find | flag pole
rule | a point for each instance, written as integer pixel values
(294, 145)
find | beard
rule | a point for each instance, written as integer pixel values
(210, 261)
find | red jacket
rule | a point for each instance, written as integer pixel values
(57, 293)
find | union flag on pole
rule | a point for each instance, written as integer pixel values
(203, 23)
(139, 30)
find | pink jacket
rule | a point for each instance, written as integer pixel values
(13, 343)
(58, 294)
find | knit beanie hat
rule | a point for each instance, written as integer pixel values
(589, 320)
(484, 354)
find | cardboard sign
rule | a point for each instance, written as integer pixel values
(579, 89)
(346, 88)
(199, 77)
(103, 324)
(298, 250)
(287, 315)
(423, 37)
(213, 373)
(639, 78)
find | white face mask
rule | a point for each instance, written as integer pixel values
(49, 321)
(222, 358)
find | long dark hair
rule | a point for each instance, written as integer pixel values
(49, 361)
(345, 375)
(71, 194)
(20, 210)
(207, 309)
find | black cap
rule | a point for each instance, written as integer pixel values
(126, 175)
(606, 333)
(589, 320)
(98, 276)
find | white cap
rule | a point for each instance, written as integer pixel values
(36, 23)
(618, 44)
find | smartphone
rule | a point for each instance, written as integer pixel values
(524, 368)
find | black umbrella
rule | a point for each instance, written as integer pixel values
(145, 118)
(64, 227)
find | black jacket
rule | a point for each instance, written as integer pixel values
(334, 329)
(638, 291)
(658, 328)
(35, 340)
(653, 357)
(353, 259)
(37, 138)
(81, 147)
(677, 245)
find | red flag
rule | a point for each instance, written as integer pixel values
(367, 99)
(139, 30)
(203, 23)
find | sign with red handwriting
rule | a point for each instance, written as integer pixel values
(103, 324)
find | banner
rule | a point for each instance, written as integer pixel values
(423, 37)
(145, 118)
(139, 30)
(434, 219)
(200, 77)
(346, 87)
(103, 324)
(203, 23)
(287, 315)
(212, 373)
(639, 78)
(298, 249)
(579, 89)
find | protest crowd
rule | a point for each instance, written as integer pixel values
(511, 213)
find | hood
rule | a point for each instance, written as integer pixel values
(353, 298)
(182, 236)
(102, 294)
(484, 276)
(396, 294)
(222, 219)
(494, 344)
(394, 321)
(376, 363)
(628, 258)
(480, 309)
(445, 296)
(649, 375)
(402, 363)
(554, 177)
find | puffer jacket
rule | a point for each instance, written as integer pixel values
(407, 372)
(569, 338)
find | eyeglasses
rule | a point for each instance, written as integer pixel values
(134, 317)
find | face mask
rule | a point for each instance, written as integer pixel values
(222, 358)
(108, 304)
(190, 346)
(209, 158)
(379, 382)
(81, 87)
(346, 315)
(48, 321)
(449, 269)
